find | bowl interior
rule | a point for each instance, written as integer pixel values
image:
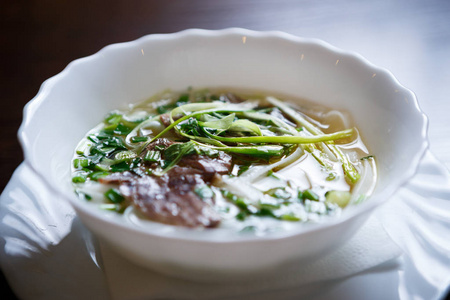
(74, 101)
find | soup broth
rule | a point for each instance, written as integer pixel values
(221, 159)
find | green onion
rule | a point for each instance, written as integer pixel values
(79, 163)
(258, 151)
(204, 192)
(120, 167)
(175, 152)
(124, 156)
(97, 175)
(83, 147)
(114, 196)
(80, 177)
(341, 198)
(245, 126)
(309, 194)
(138, 139)
(152, 156)
(350, 171)
(287, 139)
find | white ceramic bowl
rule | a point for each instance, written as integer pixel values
(72, 102)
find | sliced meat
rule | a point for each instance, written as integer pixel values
(208, 166)
(171, 198)
(168, 205)
(162, 142)
(184, 179)
(168, 199)
(165, 119)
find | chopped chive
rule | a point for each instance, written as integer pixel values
(79, 163)
(80, 177)
(124, 156)
(138, 139)
(204, 192)
(160, 147)
(120, 167)
(272, 174)
(242, 169)
(114, 196)
(241, 216)
(83, 147)
(367, 157)
(152, 156)
(289, 217)
(341, 198)
(250, 228)
(97, 175)
(331, 176)
(109, 206)
(309, 194)
(83, 195)
(122, 129)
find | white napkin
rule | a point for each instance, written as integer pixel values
(370, 247)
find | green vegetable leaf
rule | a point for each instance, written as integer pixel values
(220, 125)
(120, 167)
(349, 170)
(152, 156)
(245, 126)
(341, 198)
(204, 192)
(265, 151)
(114, 196)
(175, 152)
(124, 156)
(286, 139)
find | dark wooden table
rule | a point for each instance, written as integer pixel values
(39, 38)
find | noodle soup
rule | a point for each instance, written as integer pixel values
(220, 159)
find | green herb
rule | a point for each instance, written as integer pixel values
(290, 217)
(114, 196)
(124, 156)
(120, 167)
(341, 198)
(83, 195)
(122, 129)
(79, 177)
(79, 163)
(175, 152)
(287, 139)
(279, 193)
(84, 147)
(152, 156)
(183, 99)
(309, 194)
(204, 192)
(242, 169)
(257, 151)
(138, 139)
(219, 125)
(272, 174)
(97, 175)
(245, 127)
(368, 157)
(349, 170)
(331, 176)
(165, 108)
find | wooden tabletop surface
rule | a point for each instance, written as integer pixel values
(38, 39)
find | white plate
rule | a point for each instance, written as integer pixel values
(49, 254)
